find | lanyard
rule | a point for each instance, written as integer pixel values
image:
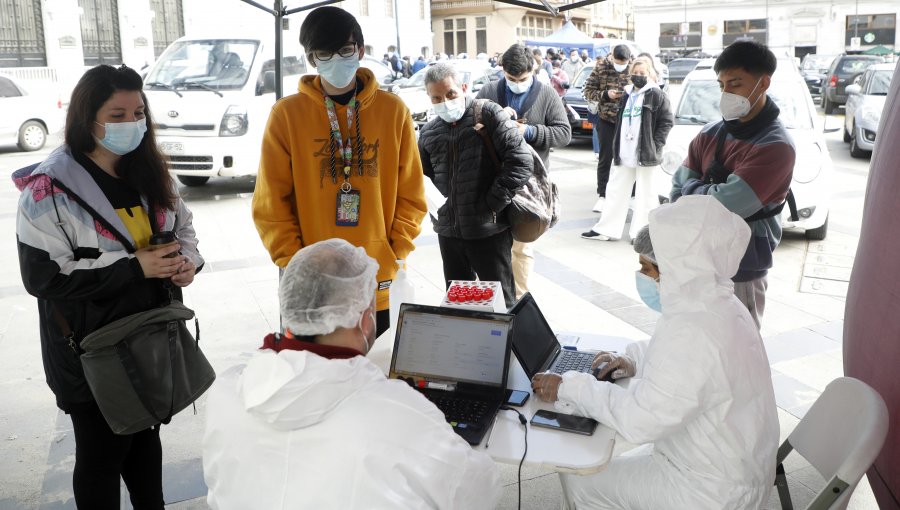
(631, 101)
(346, 148)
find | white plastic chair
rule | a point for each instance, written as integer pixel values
(840, 436)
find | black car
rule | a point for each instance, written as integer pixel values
(577, 106)
(680, 67)
(813, 68)
(842, 72)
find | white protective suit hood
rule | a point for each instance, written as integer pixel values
(702, 395)
(297, 430)
(699, 245)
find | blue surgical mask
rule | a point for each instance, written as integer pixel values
(648, 289)
(451, 110)
(122, 137)
(339, 71)
(521, 87)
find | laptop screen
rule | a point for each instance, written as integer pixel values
(533, 339)
(453, 345)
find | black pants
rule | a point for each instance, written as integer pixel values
(101, 457)
(489, 259)
(605, 132)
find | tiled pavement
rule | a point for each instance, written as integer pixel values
(582, 286)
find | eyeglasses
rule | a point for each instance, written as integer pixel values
(346, 51)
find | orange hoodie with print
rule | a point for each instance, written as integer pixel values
(295, 200)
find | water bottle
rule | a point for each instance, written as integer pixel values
(401, 291)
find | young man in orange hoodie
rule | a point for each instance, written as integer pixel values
(339, 159)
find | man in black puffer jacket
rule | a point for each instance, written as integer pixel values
(473, 233)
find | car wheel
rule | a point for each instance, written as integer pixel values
(818, 234)
(32, 136)
(855, 151)
(827, 105)
(192, 180)
(846, 134)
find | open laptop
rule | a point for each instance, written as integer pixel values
(458, 359)
(536, 346)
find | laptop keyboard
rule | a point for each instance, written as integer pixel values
(460, 412)
(573, 360)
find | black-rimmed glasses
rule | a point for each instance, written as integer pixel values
(345, 51)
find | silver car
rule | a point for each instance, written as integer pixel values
(865, 101)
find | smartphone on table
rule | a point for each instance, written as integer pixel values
(516, 398)
(564, 422)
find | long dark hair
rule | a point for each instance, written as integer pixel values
(144, 168)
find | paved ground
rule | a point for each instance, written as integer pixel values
(581, 286)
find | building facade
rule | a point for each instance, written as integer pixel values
(484, 26)
(793, 27)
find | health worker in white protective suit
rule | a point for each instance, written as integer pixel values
(310, 422)
(700, 402)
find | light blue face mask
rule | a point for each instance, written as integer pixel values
(339, 71)
(122, 137)
(451, 110)
(648, 289)
(521, 87)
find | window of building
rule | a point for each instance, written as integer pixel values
(21, 34)
(533, 26)
(168, 23)
(871, 21)
(667, 29)
(363, 7)
(100, 32)
(389, 8)
(743, 26)
(462, 45)
(481, 34)
(421, 9)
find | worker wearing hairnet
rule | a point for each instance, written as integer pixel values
(310, 422)
(701, 401)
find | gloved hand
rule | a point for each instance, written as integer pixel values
(620, 365)
(546, 386)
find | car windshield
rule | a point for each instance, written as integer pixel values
(582, 77)
(682, 64)
(700, 103)
(880, 83)
(219, 64)
(381, 71)
(856, 65)
(817, 62)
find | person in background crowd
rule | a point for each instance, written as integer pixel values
(585, 57)
(542, 122)
(85, 218)
(605, 86)
(559, 80)
(573, 65)
(310, 422)
(645, 119)
(541, 63)
(746, 161)
(343, 146)
(700, 402)
(473, 233)
(407, 68)
(419, 64)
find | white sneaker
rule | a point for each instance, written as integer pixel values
(598, 207)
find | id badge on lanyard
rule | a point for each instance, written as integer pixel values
(347, 214)
(348, 199)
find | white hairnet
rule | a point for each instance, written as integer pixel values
(325, 286)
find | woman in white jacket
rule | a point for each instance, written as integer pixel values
(310, 422)
(701, 401)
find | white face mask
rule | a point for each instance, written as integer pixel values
(451, 110)
(735, 106)
(620, 68)
(574, 58)
(521, 87)
(339, 71)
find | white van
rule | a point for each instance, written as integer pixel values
(211, 98)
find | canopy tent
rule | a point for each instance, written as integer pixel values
(568, 37)
(878, 50)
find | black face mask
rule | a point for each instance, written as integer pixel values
(639, 81)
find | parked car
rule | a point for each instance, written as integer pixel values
(812, 68)
(844, 69)
(577, 106)
(383, 74)
(474, 72)
(699, 105)
(27, 119)
(865, 102)
(680, 67)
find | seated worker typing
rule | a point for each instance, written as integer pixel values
(701, 401)
(310, 422)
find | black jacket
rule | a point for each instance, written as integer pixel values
(543, 109)
(455, 158)
(656, 122)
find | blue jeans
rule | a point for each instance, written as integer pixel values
(595, 140)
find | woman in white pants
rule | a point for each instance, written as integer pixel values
(645, 118)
